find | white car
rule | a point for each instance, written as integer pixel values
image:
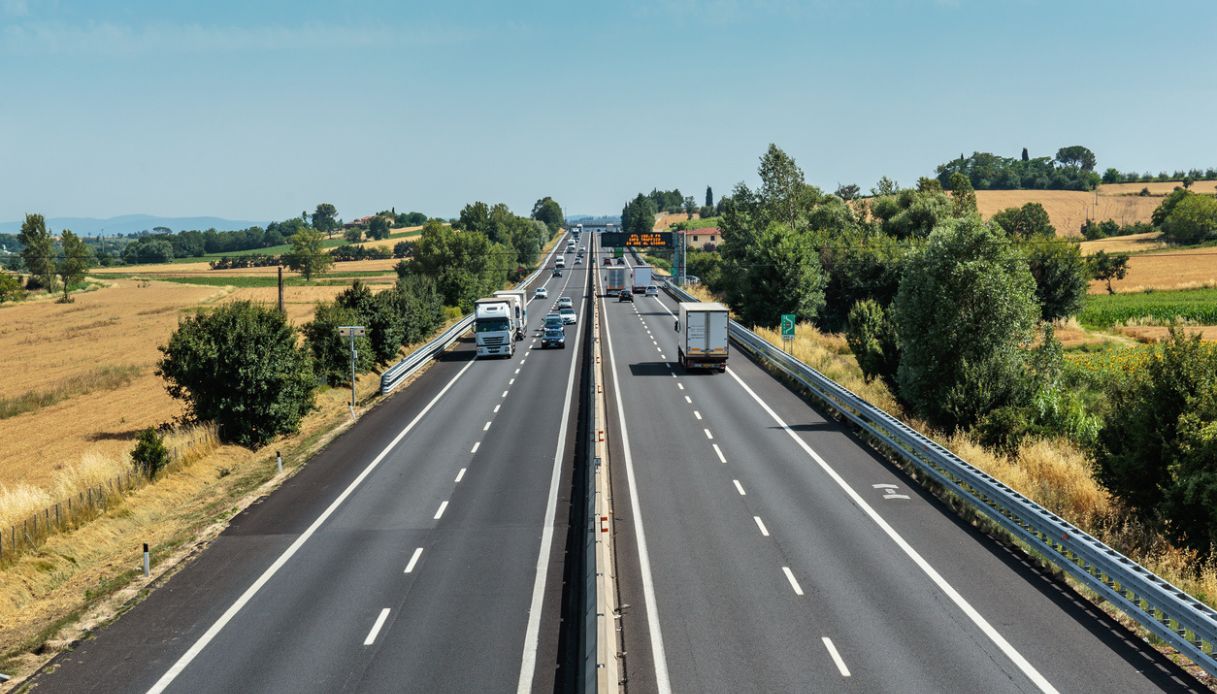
(542, 293)
(652, 290)
(565, 302)
(568, 316)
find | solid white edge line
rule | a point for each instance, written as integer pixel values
(663, 683)
(475, 447)
(740, 488)
(460, 476)
(836, 657)
(181, 663)
(528, 660)
(380, 622)
(793, 583)
(442, 507)
(761, 524)
(1000, 641)
(413, 560)
(721, 458)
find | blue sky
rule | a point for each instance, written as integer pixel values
(259, 110)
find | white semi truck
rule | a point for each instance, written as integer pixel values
(703, 339)
(519, 301)
(492, 327)
(642, 278)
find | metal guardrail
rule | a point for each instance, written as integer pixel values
(399, 372)
(1164, 610)
(590, 599)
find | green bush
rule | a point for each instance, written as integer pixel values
(1061, 276)
(331, 351)
(150, 455)
(240, 367)
(872, 339)
(1193, 220)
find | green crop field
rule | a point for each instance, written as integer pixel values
(1195, 306)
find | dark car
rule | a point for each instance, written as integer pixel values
(553, 336)
(625, 295)
(557, 272)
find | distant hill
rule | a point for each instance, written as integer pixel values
(130, 223)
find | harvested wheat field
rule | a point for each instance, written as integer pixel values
(1133, 243)
(203, 269)
(406, 234)
(1155, 188)
(1069, 209)
(1158, 333)
(299, 301)
(663, 220)
(1171, 269)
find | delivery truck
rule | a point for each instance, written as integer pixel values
(492, 327)
(702, 340)
(614, 280)
(642, 278)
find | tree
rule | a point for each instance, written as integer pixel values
(1026, 156)
(549, 211)
(1026, 222)
(872, 339)
(638, 215)
(325, 218)
(331, 351)
(1158, 218)
(308, 255)
(38, 251)
(690, 206)
(1077, 156)
(782, 186)
(150, 455)
(74, 260)
(148, 251)
(1158, 455)
(965, 307)
(353, 235)
(1192, 220)
(240, 366)
(783, 276)
(1106, 267)
(378, 227)
(474, 217)
(848, 191)
(709, 197)
(1061, 277)
(1112, 175)
(885, 186)
(464, 266)
(963, 197)
(10, 287)
(386, 325)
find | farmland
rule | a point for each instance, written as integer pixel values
(395, 235)
(1173, 268)
(1196, 306)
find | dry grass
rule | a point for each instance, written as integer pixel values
(663, 220)
(1133, 243)
(1068, 209)
(1158, 333)
(1159, 188)
(203, 269)
(1183, 268)
(99, 378)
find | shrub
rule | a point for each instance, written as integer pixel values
(403, 249)
(872, 339)
(150, 455)
(1192, 220)
(1061, 277)
(331, 351)
(10, 287)
(240, 367)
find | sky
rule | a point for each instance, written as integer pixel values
(260, 110)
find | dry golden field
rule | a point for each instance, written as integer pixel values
(1068, 209)
(1184, 268)
(1133, 243)
(663, 220)
(1155, 188)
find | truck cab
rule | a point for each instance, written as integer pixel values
(492, 327)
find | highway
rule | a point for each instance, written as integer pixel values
(422, 550)
(764, 548)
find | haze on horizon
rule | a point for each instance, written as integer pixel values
(260, 112)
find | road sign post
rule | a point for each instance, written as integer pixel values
(788, 323)
(352, 332)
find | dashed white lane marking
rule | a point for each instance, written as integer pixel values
(526, 356)
(496, 408)
(836, 657)
(440, 512)
(793, 583)
(761, 524)
(380, 622)
(504, 394)
(460, 475)
(697, 414)
(475, 447)
(740, 488)
(688, 399)
(680, 385)
(708, 434)
(512, 382)
(486, 427)
(661, 355)
(721, 458)
(413, 560)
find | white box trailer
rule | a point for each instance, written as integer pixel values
(614, 279)
(642, 278)
(703, 340)
(519, 313)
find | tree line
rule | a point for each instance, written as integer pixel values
(956, 315)
(1071, 169)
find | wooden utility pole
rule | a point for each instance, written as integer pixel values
(281, 311)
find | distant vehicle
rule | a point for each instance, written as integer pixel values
(652, 290)
(560, 262)
(557, 272)
(625, 295)
(694, 279)
(608, 261)
(541, 293)
(703, 335)
(614, 280)
(565, 302)
(568, 316)
(642, 277)
(578, 260)
(554, 335)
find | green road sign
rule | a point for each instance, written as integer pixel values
(788, 325)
